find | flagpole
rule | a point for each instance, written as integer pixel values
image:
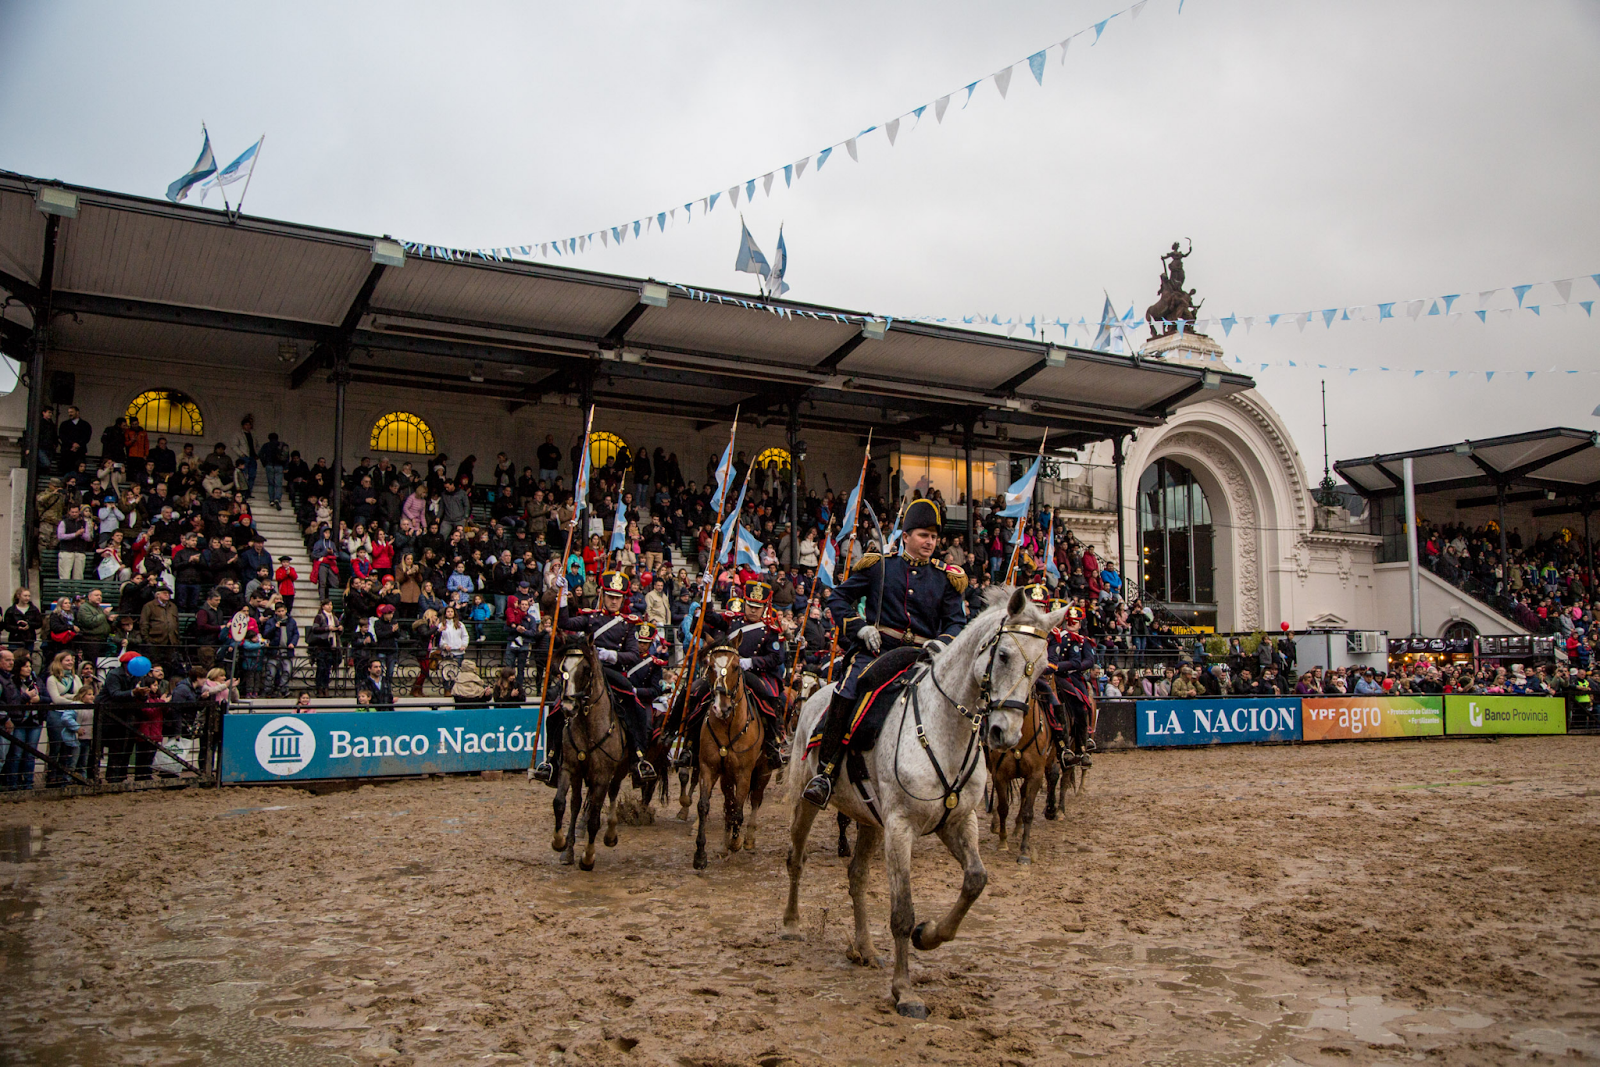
(253, 161)
(800, 636)
(850, 551)
(713, 564)
(555, 614)
(215, 174)
(1011, 570)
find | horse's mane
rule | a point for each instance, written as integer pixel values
(995, 612)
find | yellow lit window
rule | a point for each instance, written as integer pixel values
(401, 431)
(163, 411)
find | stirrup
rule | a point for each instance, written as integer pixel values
(545, 772)
(818, 791)
(644, 768)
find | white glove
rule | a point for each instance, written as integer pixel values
(744, 663)
(869, 636)
(607, 655)
(933, 648)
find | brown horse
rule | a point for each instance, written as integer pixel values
(730, 753)
(594, 754)
(1028, 762)
(1072, 771)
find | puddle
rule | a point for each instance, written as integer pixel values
(21, 844)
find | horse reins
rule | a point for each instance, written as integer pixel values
(724, 747)
(969, 759)
(578, 704)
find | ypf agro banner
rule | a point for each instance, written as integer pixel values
(373, 744)
(1213, 721)
(1367, 718)
(1468, 714)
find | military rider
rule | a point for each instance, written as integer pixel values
(617, 647)
(755, 633)
(1071, 654)
(911, 599)
(646, 674)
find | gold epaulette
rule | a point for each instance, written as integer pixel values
(865, 561)
(957, 576)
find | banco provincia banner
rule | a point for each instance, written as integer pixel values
(377, 744)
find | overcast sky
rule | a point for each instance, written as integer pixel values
(1318, 155)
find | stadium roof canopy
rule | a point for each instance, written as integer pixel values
(144, 277)
(1556, 463)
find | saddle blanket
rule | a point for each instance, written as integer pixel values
(882, 684)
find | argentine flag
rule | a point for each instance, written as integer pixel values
(776, 286)
(830, 560)
(749, 549)
(619, 529)
(580, 490)
(750, 259)
(724, 476)
(847, 528)
(1019, 498)
(203, 168)
(233, 172)
(732, 521)
(1050, 567)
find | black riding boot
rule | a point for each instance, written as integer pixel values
(550, 766)
(769, 741)
(819, 790)
(636, 725)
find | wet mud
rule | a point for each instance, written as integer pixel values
(1379, 903)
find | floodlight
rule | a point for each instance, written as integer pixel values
(1464, 448)
(53, 200)
(874, 329)
(1211, 380)
(653, 293)
(1055, 356)
(388, 253)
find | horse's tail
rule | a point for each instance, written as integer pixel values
(796, 776)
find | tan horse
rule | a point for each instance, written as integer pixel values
(594, 754)
(1027, 762)
(730, 753)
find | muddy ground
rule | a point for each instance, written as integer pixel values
(1357, 903)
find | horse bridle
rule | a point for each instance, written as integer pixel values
(720, 689)
(580, 702)
(969, 759)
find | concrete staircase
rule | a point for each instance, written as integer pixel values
(284, 539)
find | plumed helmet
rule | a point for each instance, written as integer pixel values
(922, 514)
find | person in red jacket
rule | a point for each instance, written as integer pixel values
(285, 576)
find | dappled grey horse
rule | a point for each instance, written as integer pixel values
(926, 774)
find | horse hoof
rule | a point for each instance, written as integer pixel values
(749, 844)
(1050, 814)
(566, 861)
(921, 936)
(586, 865)
(683, 814)
(912, 1009)
(791, 935)
(700, 861)
(1024, 859)
(558, 844)
(611, 841)
(863, 959)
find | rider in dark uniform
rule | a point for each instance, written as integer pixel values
(618, 649)
(911, 598)
(646, 674)
(762, 657)
(1071, 654)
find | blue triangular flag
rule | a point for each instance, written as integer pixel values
(661, 221)
(1228, 324)
(1386, 311)
(1488, 375)
(1272, 320)
(968, 100)
(1036, 64)
(1530, 373)
(1418, 374)
(1454, 373)
(636, 227)
(1327, 317)
(1483, 316)
(712, 201)
(788, 174)
(1449, 299)
(1434, 310)
(822, 157)
(1099, 28)
(1534, 308)
(1521, 291)
(1587, 306)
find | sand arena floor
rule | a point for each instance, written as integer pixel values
(1362, 903)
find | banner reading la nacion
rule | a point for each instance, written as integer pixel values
(1368, 718)
(376, 744)
(1218, 721)
(1468, 714)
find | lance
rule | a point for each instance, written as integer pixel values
(850, 550)
(555, 614)
(1011, 570)
(714, 562)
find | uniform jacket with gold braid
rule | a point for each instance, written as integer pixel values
(909, 603)
(760, 642)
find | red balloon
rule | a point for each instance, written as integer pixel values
(1284, 625)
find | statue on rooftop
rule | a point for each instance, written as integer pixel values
(1174, 304)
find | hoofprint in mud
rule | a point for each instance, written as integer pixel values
(926, 775)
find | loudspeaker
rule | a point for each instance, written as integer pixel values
(63, 387)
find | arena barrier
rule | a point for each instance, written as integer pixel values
(1117, 726)
(377, 744)
(1244, 720)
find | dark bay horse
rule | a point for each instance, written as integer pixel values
(594, 754)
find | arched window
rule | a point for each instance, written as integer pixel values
(777, 457)
(603, 448)
(401, 431)
(1175, 536)
(167, 411)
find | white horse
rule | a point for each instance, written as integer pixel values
(927, 774)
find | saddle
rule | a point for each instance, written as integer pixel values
(878, 687)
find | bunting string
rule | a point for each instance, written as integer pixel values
(791, 172)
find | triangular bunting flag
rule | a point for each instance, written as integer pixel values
(713, 201)
(800, 167)
(850, 146)
(1530, 374)
(1483, 297)
(733, 195)
(1002, 81)
(1564, 287)
(1483, 316)
(766, 183)
(1434, 310)
(1064, 46)
(968, 100)
(1587, 306)
(636, 228)
(1534, 308)
(1414, 308)
(750, 191)
(1100, 27)
(1272, 320)
(892, 127)
(1418, 374)
(661, 220)
(939, 106)
(1521, 291)
(1488, 375)
(788, 175)
(1036, 65)
(1327, 317)
(1138, 8)
(1448, 300)
(918, 112)
(822, 157)
(1228, 324)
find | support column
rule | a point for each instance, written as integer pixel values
(341, 380)
(1411, 548)
(1500, 510)
(1122, 545)
(972, 507)
(794, 483)
(36, 389)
